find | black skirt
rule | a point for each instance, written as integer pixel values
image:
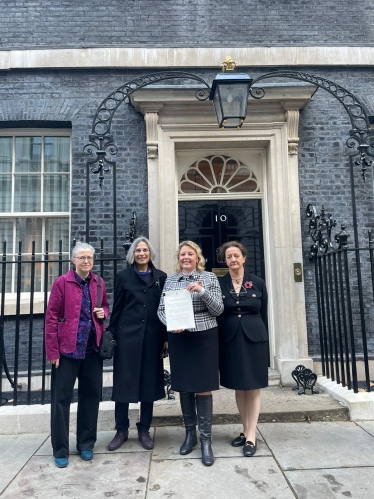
(194, 361)
(244, 363)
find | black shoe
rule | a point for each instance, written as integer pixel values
(119, 438)
(249, 449)
(204, 405)
(189, 442)
(238, 441)
(145, 439)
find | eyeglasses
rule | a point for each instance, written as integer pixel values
(84, 258)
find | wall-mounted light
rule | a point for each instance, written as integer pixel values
(229, 95)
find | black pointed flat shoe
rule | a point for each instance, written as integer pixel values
(238, 441)
(249, 449)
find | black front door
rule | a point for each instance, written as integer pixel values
(212, 223)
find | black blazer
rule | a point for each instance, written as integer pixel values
(249, 309)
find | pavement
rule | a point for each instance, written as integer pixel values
(307, 449)
(306, 460)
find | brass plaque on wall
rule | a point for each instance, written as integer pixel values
(298, 272)
(220, 272)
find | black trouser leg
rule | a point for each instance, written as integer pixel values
(188, 406)
(62, 386)
(204, 405)
(89, 396)
(146, 415)
(121, 415)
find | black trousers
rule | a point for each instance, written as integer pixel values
(89, 374)
(121, 411)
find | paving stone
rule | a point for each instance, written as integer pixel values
(15, 451)
(106, 475)
(353, 483)
(169, 439)
(239, 478)
(318, 445)
(101, 446)
(367, 426)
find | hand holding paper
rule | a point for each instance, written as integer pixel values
(178, 310)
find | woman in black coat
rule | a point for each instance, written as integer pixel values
(138, 372)
(244, 342)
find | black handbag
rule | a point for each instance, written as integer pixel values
(107, 345)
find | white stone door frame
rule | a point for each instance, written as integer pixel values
(175, 121)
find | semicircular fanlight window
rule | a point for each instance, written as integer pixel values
(218, 174)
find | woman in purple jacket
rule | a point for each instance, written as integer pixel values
(73, 330)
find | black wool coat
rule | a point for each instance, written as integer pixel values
(138, 373)
(249, 309)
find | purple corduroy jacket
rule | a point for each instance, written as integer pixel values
(63, 311)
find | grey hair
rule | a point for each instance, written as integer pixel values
(81, 246)
(141, 239)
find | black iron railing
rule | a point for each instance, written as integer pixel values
(344, 279)
(22, 348)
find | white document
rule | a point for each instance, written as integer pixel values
(179, 310)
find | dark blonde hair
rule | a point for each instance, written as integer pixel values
(231, 244)
(200, 259)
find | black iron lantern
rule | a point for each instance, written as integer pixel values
(230, 98)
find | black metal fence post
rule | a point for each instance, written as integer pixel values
(31, 322)
(340, 369)
(344, 320)
(350, 321)
(324, 329)
(18, 313)
(2, 318)
(45, 289)
(341, 313)
(319, 308)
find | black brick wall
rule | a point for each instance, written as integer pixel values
(73, 96)
(324, 179)
(182, 23)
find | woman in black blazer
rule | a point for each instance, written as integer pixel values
(244, 342)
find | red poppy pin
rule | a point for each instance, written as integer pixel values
(248, 284)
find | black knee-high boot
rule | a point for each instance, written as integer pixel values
(189, 416)
(204, 405)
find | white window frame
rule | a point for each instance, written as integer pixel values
(218, 183)
(10, 297)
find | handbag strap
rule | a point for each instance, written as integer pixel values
(99, 292)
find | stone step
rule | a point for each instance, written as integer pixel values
(278, 404)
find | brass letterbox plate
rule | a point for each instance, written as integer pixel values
(220, 272)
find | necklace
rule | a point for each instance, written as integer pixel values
(237, 280)
(144, 273)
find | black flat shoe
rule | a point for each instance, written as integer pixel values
(145, 439)
(238, 441)
(119, 438)
(249, 449)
